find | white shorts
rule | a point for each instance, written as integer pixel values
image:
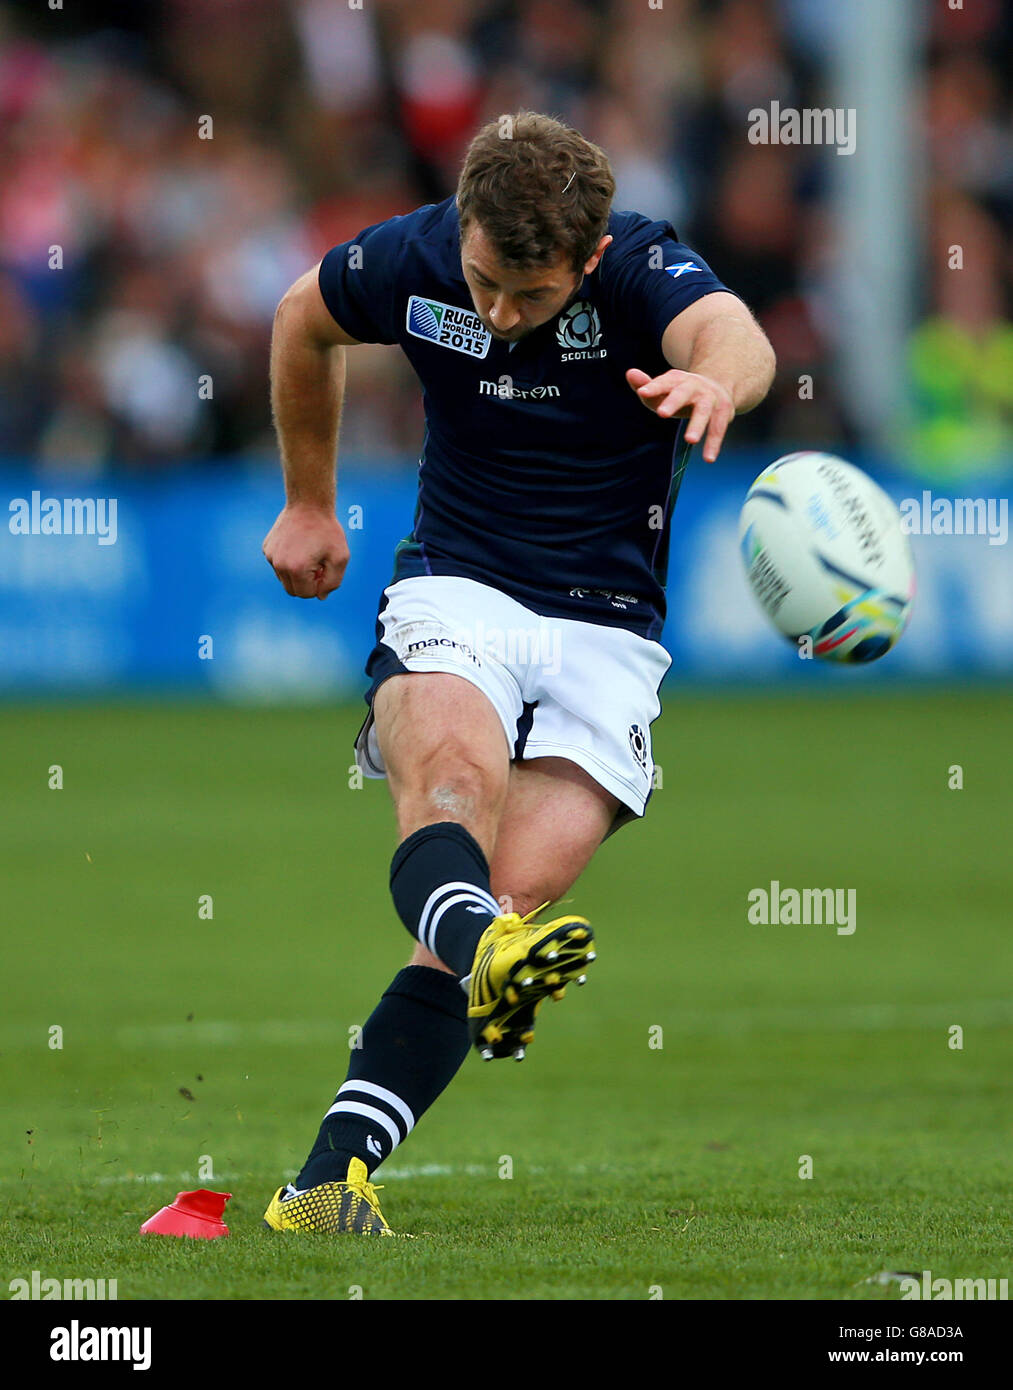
(561, 688)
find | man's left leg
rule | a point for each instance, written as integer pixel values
(554, 818)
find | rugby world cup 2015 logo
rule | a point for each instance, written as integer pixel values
(447, 325)
(579, 329)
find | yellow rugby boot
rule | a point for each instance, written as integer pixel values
(331, 1207)
(517, 965)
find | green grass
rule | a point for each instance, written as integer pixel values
(633, 1166)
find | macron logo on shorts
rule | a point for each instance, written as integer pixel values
(415, 648)
(427, 638)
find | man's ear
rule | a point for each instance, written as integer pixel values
(597, 254)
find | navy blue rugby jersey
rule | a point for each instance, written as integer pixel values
(541, 472)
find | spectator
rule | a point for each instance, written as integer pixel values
(138, 261)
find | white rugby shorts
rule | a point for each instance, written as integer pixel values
(561, 688)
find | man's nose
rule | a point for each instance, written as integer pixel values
(503, 314)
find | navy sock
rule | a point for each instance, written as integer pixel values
(439, 879)
(413, 1044)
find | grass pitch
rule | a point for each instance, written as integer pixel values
(636, 1167)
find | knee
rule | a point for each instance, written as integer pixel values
(452, 785)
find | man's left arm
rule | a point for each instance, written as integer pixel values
(722, 366)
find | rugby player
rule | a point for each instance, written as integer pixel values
(570, 357)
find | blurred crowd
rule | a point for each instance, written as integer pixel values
(171, 166)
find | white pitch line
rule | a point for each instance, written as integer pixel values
(218, 1032)
(843, 1018)
(753, 1018)
(420, 1170)
(814, 1018)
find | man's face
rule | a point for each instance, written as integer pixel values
(511, 303)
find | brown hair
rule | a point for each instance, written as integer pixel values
(538, 189)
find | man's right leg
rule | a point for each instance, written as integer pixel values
(445, 752)
(448, 765)
(450, 795)
(414, 1042)
(448, 768)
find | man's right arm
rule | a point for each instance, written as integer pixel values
(306, 546)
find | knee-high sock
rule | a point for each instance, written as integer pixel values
(439, 879)
(413, 1044)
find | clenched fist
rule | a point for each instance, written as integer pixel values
(307, 550)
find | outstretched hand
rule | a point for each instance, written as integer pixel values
(677, 394)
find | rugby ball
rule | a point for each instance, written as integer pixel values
(826, 557)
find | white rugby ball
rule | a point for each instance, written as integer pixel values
(826, 557)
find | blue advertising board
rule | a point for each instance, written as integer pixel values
(137, 584)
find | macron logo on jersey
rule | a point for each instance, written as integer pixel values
(683, 268)
(461, 330)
